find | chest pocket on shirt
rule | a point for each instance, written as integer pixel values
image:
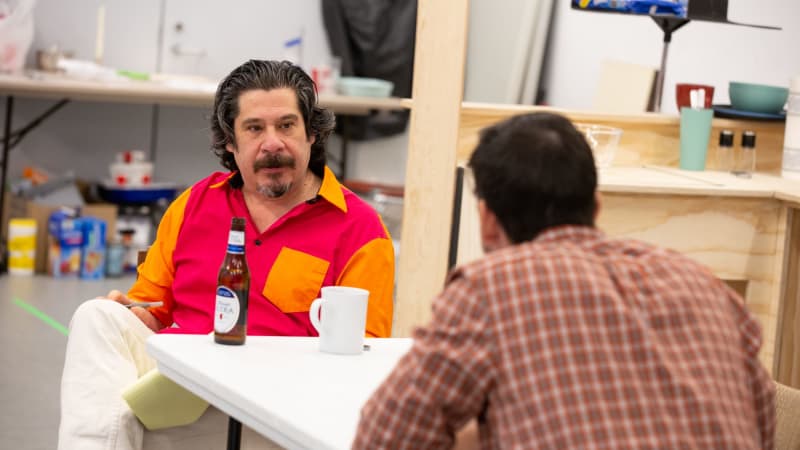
(295, 280)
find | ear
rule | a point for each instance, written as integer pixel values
(493, 236)
(230, 147)
(598, 205)
(312, 139)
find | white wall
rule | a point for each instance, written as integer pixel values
(700, 52)
(492, 42)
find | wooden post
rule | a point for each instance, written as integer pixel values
(430, 171)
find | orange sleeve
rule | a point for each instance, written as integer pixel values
(372, 268)
(156, 273)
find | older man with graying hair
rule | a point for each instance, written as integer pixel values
(303, 231)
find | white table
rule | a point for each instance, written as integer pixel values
(281, 387)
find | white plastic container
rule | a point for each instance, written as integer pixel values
(791, 140)
(16, 33)
(135, 174)
(21, 246)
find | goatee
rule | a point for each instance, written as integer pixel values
(275, 188)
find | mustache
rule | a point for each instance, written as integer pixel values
(274, 162)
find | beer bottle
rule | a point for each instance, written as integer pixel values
(233, 289)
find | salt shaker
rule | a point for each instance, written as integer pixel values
(747, 157)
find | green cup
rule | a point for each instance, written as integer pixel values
(695, 133)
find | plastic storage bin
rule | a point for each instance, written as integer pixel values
(16, 33)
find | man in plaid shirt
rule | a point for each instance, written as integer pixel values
(563, 338)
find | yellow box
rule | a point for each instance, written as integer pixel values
(21, 246)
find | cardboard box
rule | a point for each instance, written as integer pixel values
(21, 207)
(93, 250)
(65, 237)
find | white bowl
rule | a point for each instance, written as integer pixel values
(603, 140)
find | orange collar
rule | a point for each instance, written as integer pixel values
(331, 190)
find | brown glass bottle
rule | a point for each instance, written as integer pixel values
(233, 289)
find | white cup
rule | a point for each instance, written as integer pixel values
(340, 318)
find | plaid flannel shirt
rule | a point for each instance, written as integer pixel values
(574, 340)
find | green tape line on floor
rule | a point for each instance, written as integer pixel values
(56, 325)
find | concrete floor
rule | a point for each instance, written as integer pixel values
(32, 353)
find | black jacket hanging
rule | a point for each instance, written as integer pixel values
(374, 39)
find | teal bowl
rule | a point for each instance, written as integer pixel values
(759, 98)
(365, 87)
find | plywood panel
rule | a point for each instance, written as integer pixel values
(737, 238)
(430, 173)
(623, 87)
(788, 349)
(469, 234)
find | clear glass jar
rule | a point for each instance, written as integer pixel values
(725, 156)
(746, 162)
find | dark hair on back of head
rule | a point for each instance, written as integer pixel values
(535, 171)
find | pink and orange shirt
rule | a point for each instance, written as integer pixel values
(334, 239)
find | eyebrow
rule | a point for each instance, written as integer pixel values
(288, 117)
(283, 118)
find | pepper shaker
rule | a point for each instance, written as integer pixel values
(746, 164)
(725, 151)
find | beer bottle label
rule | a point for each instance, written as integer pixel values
(236, 242)
(226, 312)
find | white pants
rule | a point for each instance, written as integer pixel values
(105, 354)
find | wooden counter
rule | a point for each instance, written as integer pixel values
(652, 179)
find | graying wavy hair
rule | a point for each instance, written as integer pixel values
(268, 75)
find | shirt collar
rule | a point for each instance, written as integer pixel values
(331, 190)
(574, 233)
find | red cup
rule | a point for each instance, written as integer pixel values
(682, 94)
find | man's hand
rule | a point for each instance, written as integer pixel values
(144, 315)
(117, 296)
(467, 437)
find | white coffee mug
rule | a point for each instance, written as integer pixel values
(340, 317)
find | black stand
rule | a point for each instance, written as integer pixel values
(234, 434)
(6, 149)
(668, 25)
(8, 144)
(455, 226)
(3, 170)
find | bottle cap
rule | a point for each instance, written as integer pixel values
(726, 138)
(749, 139)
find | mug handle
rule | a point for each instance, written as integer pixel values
(313, 313)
